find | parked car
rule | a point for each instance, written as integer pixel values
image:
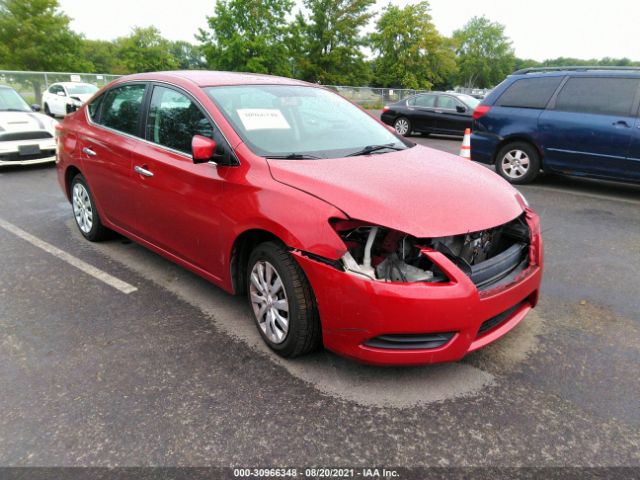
(576, 121)
(66, 97)
(447, 113)
(26, 137)
(339, 231)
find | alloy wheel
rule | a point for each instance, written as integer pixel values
(515, 164)
(402, 126)
(269, 301)
(82, 208)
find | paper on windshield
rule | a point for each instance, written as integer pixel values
(263, 119)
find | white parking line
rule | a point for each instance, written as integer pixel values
(110, 280)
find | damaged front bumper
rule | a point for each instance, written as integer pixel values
(390, 323)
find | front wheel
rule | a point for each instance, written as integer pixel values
(85, 212)
(402, 126)
(282, 301)
(518, 163)
(47, 111)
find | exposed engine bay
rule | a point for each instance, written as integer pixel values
(387, 255)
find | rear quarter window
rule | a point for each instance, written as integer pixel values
(599, 95)
(529, 92)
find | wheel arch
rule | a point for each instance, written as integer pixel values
(515, 139)
(242, 247)
(69, 175)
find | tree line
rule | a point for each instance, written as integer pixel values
(333, 42)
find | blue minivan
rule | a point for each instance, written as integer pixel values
(572, 120)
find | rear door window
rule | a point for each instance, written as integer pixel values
(599, 95)
(121, 108)
(529, 92)
(425, 101)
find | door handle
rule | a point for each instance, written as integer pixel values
(621, 123)
(438, 111)
(142, 171)
(88, 151)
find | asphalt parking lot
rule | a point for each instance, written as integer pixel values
(175, 373)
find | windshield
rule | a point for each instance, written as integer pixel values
(469, 100)
(81, 89)
(10, 100)
(301, 122)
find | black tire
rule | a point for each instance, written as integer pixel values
(399, 125)
(98, 231)
(511, 173)
(304, 333)
(47, 111)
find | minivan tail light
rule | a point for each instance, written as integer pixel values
(481, 111)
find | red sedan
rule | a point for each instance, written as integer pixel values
(340, 232)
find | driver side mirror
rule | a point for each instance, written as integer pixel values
(202, 149)
(35, 107)
(61, 94)
(460, 109)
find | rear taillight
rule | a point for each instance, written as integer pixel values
(385, 108)
(481, 111)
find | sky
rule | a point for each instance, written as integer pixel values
(539, 29)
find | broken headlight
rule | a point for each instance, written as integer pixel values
(383, 254)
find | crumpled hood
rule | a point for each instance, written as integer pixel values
(25, 122)
(419, 191)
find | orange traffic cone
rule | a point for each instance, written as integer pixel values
(465, 148)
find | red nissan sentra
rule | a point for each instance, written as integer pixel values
(340, 232)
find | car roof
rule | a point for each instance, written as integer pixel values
(578, 71)
(208, 78)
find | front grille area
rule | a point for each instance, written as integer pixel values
(16, 157)
(427, 341)
(494, 322)
(15, 136)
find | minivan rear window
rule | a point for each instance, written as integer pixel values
(599, 95)
(529, 92)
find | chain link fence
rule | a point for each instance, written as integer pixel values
(31, 85)
(373, 98)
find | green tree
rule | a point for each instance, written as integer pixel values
(103, 55)
(410, 51)
(35, 35)
(187, 55)
(485, 55)
(248, 36)
(332, 42)
(145, 50)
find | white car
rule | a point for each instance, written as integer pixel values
(26, 137)
(66, 97)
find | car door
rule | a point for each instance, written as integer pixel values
(633, 157)
(452, 116)
(177, 199)
(106, 144)
(61, 101)
(422, 112)
(54, 99)
(588, 127)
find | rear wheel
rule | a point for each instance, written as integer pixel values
(402, 126)
(85, 212)
(518, 163)
(282, 301)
